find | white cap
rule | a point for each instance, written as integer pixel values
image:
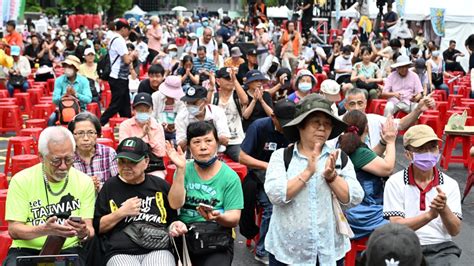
(331, 90)
(261, 26)
(89, 51)
(83, 35)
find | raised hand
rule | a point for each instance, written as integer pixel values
(329, 172)
(389, 130)
(311, 167)
(439, 202)
(176, 155)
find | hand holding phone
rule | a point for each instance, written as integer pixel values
(205, 207)
(75, 219)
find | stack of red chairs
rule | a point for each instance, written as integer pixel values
(357, 245)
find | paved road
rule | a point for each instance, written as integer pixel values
(244, 257)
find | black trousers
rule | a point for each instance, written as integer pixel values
(13, 253)
(120, 102)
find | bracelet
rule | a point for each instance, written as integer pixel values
(382, 142)
(302, 180)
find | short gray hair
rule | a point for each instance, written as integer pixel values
(356, 91)
(54, 134)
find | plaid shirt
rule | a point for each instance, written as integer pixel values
(103, 163)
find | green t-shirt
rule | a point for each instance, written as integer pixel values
(27, 202)
(369, 71)
(223, 192)
(361, 157)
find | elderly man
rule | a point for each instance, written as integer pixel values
(425, 199)
(356, 99)
(50, 199)
(210, 44)
(154, 33)
(402, 88)
(19, 72)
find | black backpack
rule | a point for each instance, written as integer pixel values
(104, 67)
(288, 154)
(215, 101)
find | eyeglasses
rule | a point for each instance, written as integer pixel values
(82, 134)
(56, 162)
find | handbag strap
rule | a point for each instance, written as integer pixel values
(186, 258)
(176, 249)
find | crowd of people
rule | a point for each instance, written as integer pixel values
(200, 91)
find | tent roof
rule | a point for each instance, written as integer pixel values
(136, 10)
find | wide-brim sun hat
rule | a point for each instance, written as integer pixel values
(171, 87)
(308, 105)
(402, 60)
(72, 60)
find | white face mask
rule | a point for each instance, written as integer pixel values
(173, 54)
(62, 38)
(69, 72)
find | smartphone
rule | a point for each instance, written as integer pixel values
(75, 219)
(206, 207)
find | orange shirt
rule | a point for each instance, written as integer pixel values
(231, 63)
(14, 38)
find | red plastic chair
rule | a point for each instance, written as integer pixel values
(3, 181)
(43, 110)
(3, 223)
(116, 121)
(94, 108)
(18, 145)
(240, 169)
(375, 105)
(170, 169)
(443, 94)
(33, 132)
(23, 161)
(35, 95)
(432, 121)
(106, 98)
(50, 85)
(5, 243)
(24, 102)
(106, 142)
(10, 118)
(454, 100)
(4, 94)
(470, 179)
(39, 123)
(447, 156)
(357, 245)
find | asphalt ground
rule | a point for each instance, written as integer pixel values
(243, 256)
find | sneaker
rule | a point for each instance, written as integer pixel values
(262, 259)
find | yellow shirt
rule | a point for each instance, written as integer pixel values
(89, 72)
(230, 63)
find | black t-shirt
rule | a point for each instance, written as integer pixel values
(261, 139)
(32, 52)
(307, 13)
(258, 111)
(144, 86)
(243, 69)
(449, 54)
(390, 17)
(471, 61)
(155, 209)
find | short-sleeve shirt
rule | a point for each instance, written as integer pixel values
(118, 47)
(187, 81)
(261, 139)
(103, 163)
(29, 202)
(369, 71)
(223, 192)
(407, 86)
(211, 46)
(155, 209)
(145, 86)
(258, 111)
(340, 63)
(404, 198)
(361, 157)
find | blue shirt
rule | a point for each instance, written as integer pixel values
(80, 85)
(207, 64)
(303, 229)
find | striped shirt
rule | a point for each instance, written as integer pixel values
(208, 64)
(103, 163)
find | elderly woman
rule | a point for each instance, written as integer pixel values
(304, 183)
(209, 194)
(91, 158)
(304, 82)
(133, 201)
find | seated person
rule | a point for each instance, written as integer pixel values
(167, 104)
(402, 88)
(450, 55)
(343, 67)
(188, 73)
(88, 69)
(133, 199)
(19, 72)
(260, 101)
(371, 170)
(156, 74)
(143, 125)
(71, 84)
(366, 74)
(205, 180)
(197, 109)
(304, 82)
(42, 198)
(91, 158)
(425, 199)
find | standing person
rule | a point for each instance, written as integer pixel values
(260, 101)
(261, 40)
(251, 64)
(209, 43)
(154, 34)
(425, 199)
(260, 12)
(303, 187)
(291, 45)
(13, 37)
(263, 137)
(307, 17)
(42, 198)
(390, 19)
(120, 70)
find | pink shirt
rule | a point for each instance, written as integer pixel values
(407, 86)
(153, 33)
(130, 128)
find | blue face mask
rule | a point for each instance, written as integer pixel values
(206, 164)
(142, 117)
(435, 53)
(205, 24)
(193, 110)
(304, 86)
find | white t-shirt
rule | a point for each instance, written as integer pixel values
(403, 198)
(210, 47)
(118, 47)
(234, 120)
(342, 64)
(214, 113)
(164, 113)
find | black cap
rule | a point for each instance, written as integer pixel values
(223, 73)
(133, 149)
(252, 52)
(143, 98)
(284, 110)
(286, 71)
(254, 75)
(194, 93)
(121, 23)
